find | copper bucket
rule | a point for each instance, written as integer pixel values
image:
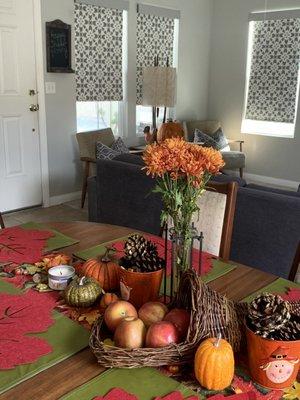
(273, 364)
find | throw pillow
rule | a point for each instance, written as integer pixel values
(120, 146)
(201, 137)
(220, 139)
(104, 152)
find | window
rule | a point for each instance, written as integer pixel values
(272, 84)
(93, 115)
(157, 35)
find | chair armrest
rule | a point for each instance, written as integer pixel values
(88, 159)
(241, 142)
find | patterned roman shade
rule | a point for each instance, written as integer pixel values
(155, 37)
(98, 52)
(274, 70)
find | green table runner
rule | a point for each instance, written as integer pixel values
(279, 286)
(58, 241)
(65, 336)
(99, 249)
(145, 383)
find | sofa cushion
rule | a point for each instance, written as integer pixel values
(273, 190)
(203, 138)
(223, 178)
(217, 140)
(130, 159)
(233, 159)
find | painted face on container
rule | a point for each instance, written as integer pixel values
(279, 371)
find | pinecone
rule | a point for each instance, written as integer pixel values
(141, 255)
(268, 313)
(289, 332)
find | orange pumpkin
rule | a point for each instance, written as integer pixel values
(214, 364)
(104, 270)
(107, 299)
(169, 130)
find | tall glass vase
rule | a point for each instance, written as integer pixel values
(182, 255)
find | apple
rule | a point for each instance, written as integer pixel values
(116, 312)
(161, 334)
(130, 333)
(181, 319)
(152, 312)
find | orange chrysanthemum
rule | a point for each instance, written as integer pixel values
(179, 158)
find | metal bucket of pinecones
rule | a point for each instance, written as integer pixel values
(211, 314)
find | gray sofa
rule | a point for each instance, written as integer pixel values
(266, 226)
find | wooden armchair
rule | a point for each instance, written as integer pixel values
(295, 269)
(233, 159)
(2, 226)
(87, 150)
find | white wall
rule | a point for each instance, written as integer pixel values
(267, 156)
(193, 72)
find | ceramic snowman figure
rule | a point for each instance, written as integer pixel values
(279, 367)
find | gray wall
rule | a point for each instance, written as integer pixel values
(267, 156)
(193, 73)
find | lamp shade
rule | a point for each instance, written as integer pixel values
(159, 86)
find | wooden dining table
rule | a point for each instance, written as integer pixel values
(80, 368)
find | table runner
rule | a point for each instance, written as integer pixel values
(219, 268)
(64, 336)
(58, 241)
(279, 286)
(145, 383)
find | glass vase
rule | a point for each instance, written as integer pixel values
(181, 255)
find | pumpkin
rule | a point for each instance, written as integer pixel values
(214, 364)
(103, 270)
(82, 292)
(169, 130)
(107, 299)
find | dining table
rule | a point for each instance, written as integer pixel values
(62, 378)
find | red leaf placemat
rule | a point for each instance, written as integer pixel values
(22, 246)
(292, 294)
(120, 394)
(20, 315)
(160, 243)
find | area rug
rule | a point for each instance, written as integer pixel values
(58, 239)
(144, 383)
(287, 289)
(62, 339)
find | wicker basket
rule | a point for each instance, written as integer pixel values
(211, 313)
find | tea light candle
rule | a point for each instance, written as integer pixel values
(59, 277)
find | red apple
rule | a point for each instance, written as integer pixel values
(130, 333)
(181, 319)
(116, 312)
(152, 312)
(162, 334)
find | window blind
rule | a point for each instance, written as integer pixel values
(155, 37)
(274, 69)
(98, 52)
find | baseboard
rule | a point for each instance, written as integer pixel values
(63, 198)
(268, 180)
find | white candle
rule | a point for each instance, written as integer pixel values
(59, 277)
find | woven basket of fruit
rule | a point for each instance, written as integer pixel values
(197, 311)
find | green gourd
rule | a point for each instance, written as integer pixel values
(82, 292)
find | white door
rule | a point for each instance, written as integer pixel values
(20, 169)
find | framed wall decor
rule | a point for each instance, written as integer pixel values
(58, 44)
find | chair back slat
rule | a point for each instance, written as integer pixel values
(2, 226)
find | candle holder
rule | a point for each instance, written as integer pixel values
(59, 277)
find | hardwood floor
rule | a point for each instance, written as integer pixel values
(70, 211)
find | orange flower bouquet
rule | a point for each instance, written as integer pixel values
(182, 171)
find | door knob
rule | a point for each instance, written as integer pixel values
(34, 107)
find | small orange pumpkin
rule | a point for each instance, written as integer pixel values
(214, 364)
(107, 299)
(104, 270)
(169, 130)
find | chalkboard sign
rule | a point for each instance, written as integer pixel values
(58, 42)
